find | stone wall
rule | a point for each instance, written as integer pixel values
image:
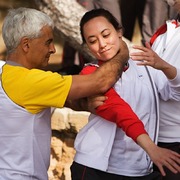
(66, 123)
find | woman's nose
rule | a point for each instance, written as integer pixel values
(102, 43)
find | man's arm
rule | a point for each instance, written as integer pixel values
(102, 79)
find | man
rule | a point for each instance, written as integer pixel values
(27, 93)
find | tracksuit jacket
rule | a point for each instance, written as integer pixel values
(166, 43)
(104, 146)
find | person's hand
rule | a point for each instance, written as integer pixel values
(146, 56)
(94, 102)
(160, 156)
(165, 158)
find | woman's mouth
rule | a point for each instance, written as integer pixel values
(104, 51)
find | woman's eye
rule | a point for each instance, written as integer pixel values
(106, 35)
(92, 42)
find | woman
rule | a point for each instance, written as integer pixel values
(103, 151)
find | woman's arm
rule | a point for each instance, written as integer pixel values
(116, 110)
(160, 156)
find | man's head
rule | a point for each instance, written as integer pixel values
(23, 22)
(29, 33)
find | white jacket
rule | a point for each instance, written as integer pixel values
(167, 46)
(101, 145)
(2, 63)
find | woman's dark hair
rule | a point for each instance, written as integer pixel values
(96, 13)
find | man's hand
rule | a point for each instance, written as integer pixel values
(123, 52)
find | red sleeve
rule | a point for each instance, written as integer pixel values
(160, 31)
(116, 110)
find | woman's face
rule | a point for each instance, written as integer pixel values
(102, 38)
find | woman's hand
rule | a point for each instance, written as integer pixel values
(95, 101)
(147, 57)
(166, 158)
(160, 156)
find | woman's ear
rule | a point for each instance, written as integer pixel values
(120, 33)
(25, 44)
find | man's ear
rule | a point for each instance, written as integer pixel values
(25, 44)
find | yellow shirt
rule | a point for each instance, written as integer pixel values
(35, 89)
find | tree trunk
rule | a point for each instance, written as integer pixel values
(66, 15)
